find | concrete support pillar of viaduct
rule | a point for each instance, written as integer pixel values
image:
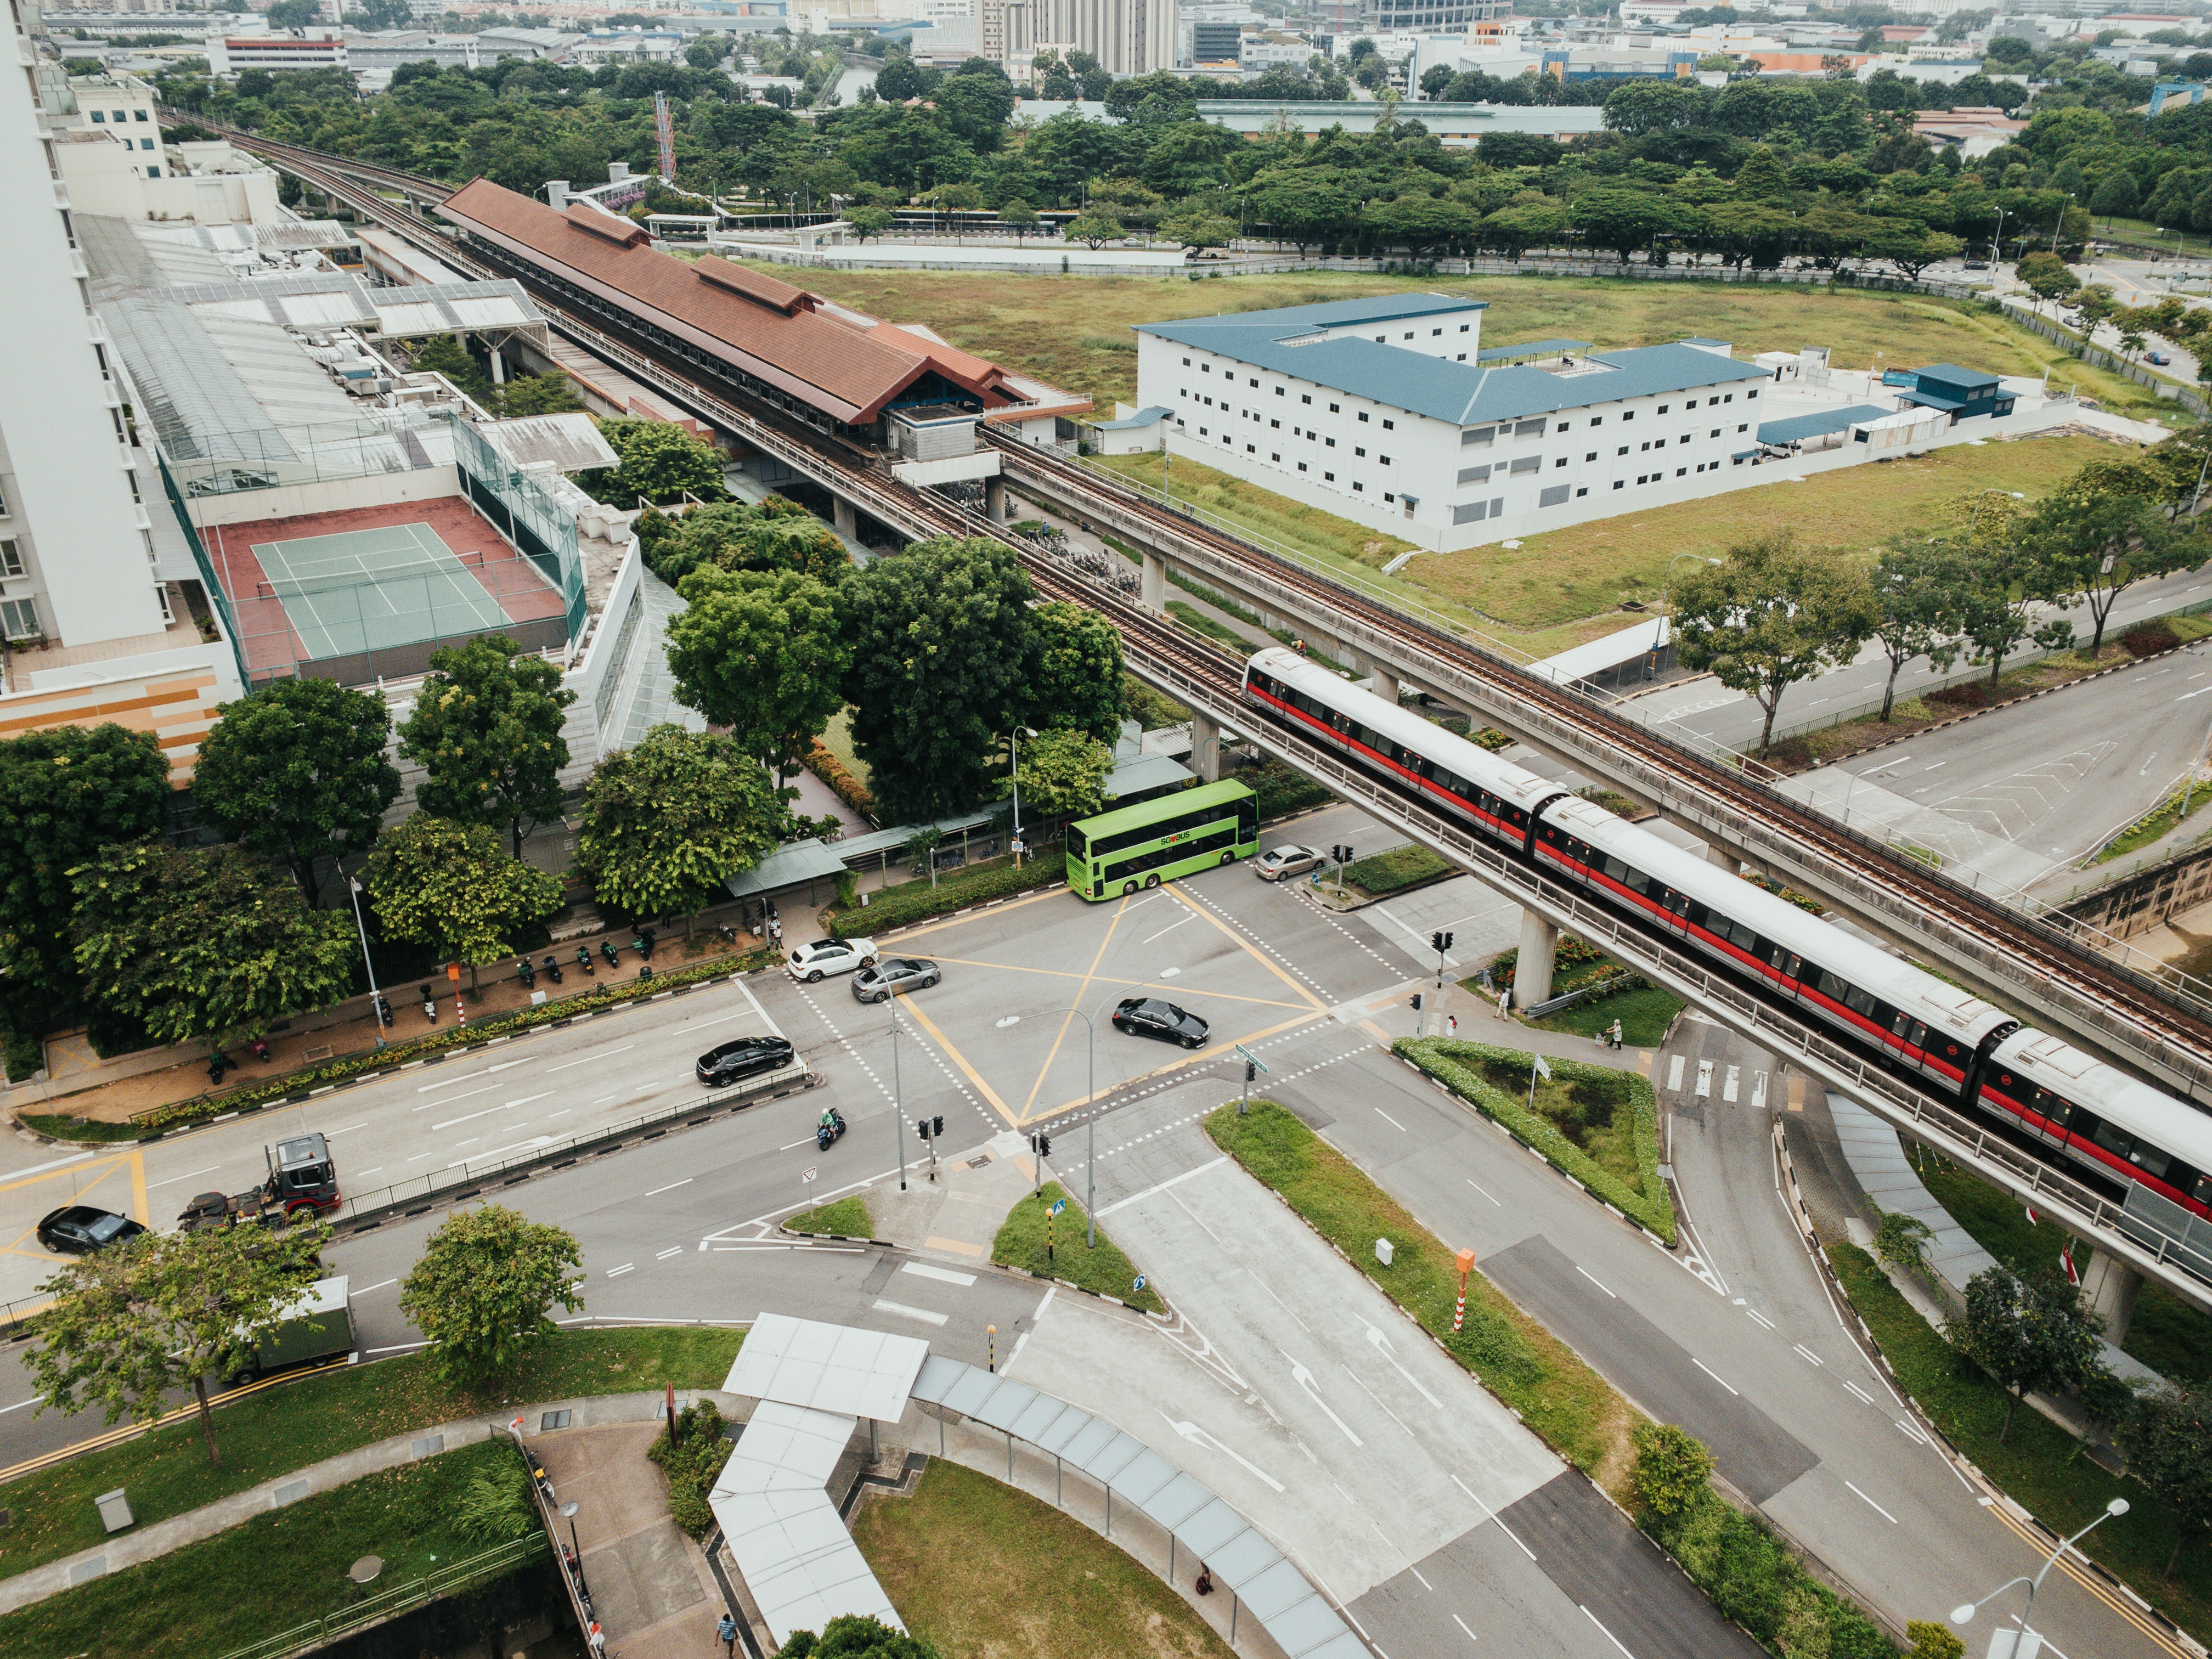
(1153, 594)
(994, 497)
(2109, 1286)
(1724, 857)
(1385, 684)
(1205, 747)
(1532, 967)
(847, 521)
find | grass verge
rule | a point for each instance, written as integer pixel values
(1593, 1122)
(1206, 628)
(1021, 1243)
(1396, 870)
(2157, 823)
(847, 1218)
(977, 1567)
(274, 1573)
(291, 1425)
(2040, 1464)
(1569, 1405)
(1644, 1014)
(919, 900)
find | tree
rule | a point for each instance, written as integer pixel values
(484, 1289)
(293, 13)
(1932, 1640)
(667, 824)
(537, 394)
(939, 637)
(2116, 197)
(1094, 228)
(1919, 602)
(1670, 1467)
(2028, 1335)
(64, 793)
(761, 653)
(1760, 179)
(868, 221)
(198, 942)
(660, 462)
(448, 885)
(486, 726)
(2167, 1433)
(441, 354)
(1196, 229)
(1073, 675)
(2046, 275)
(297, 772)
(1911, 246)
(1514, 230)
(1771, 614)
(1063, 774)
(2106, 528)
(2007, 583)
(1422, 223)
(127, 1326)
(1300, 207)
(1018, 216)
(854, 1636)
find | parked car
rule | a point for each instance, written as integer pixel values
(743, 1057)
(1149, 1017)
(831, 955)
(81, 1228)
(1977, 265)
(2161, 358)
(1285, 861)
(894, 977)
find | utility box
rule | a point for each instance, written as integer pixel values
(114, 1509)
(1383, 1251)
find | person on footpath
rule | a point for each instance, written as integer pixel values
(726, 1633)
(1505, 1003)
(1451, 1025)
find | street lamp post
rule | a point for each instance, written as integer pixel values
(898, 1101)
(375, 996)
(2028, 1645)
(1090, 1124)
(1020, 731)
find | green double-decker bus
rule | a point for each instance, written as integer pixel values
(1156, 841)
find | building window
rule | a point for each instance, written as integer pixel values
(1471, 512)
(1597, 420)
(1254, 382)
(161, 592)
(1363, 415)
(1301, 467)
(1434, 332)
(1562, 461)
(1715, 433)
(1251, 449)
(1328, 477)
(1274, 458)
(1279, 392)
(1627, 414)
(1409, 333)
(1692, 403)
(1729, 398)
(1477, 436)
(1468, 475)
(1305, 397)
(1356, 450)
(11, 558)
(1663, 408)
(1389, 426)
(1584, 491)
(1461, 358)
(1555, 496)
(1462, 328)
(1201, 432)
(1643, 445)
(19, 618)
(100, 117)
(1743, 428)
(1387, 495)
(1620, 483)
(1749, 396)
(1623, 450)
(153, 172)
(1330, 442)
(1563, 425)
(1529, 464)
(1336, 409)
(1278, 426)
(138, 114)
(1186, 362)
(1681, 472)
(1358, 488)
(1591, 456)
(1385, 460)
(1206, 368)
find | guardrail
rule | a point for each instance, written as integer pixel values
(400, 1598)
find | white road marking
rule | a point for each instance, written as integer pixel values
(1199, 1437)
(1489, 1514)
(588, 1059)
(187, 1176)
(1477, 1186)
(331, 1134)
(1704, 1088)
(1858, 1392)
(1387, 1119)
(1416, 1571)
(1875, 1507)
(469, 1077)
(1675, 1072)
(1305, 1381)
(33, 1400)
(922, 1314)
(1605, 1633)
(943, 1275)
(616, 1273)
(1188, 915)
(665, 1255)
(470, 1117)
(1382, 1345)
(1729, 1084)
(1710, 1372)
(1761, 1318)
(671, 1186)
(379, 1286)
(1586, 1273)
(487, 1089)
(1807, 1354)
(1462, 1623)
(1123, 1204)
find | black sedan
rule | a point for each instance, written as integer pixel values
(895, 976)
(79, 1228)
(743, 1057)
(1150, 1016)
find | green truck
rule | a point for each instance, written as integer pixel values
(317, 1326)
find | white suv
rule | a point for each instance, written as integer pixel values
(813, 962)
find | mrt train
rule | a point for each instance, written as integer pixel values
(2060, 1104)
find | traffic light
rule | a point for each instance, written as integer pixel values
(936, 1127)
(1041, 1145)
(922, 1129)
(1251, 1072)
(1417, 1002)
(1443, 941)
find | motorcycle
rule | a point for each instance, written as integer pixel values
(552, 968)
(526, 973)
(429, 1005)
(729, 934)
(584, 960)
(383, 1011)
(826, 1134)
(643, 943)
(607, 950)
(218, 1062)
(260, 1047)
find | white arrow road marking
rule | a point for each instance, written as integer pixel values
(1704, 1088)
(1305, 1380)
(1383, 1346)
(1199, 1437)
(1729, 1084)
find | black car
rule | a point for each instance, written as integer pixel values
(1150, 1016)
(895, 976)
(743, 1057)
(79, 1228)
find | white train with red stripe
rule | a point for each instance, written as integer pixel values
(2077, 1112)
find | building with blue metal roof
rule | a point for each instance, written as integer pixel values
(1389, 411)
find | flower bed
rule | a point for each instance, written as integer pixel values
(847, 787)
(1448, 1060)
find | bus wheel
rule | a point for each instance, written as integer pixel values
(1127, 888)
(1229, 857)
(1152, 880)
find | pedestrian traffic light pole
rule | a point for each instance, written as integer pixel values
(1090, 1126)
(1443, 941)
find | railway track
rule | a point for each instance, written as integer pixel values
(2102, 994)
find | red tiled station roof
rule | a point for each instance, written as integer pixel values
(779, 333)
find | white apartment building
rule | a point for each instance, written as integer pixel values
(1385, 410)
(230, 54)
(1127, 37)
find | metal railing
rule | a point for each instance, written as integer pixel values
(470, 1571)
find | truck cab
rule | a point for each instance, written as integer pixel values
(303, 1177)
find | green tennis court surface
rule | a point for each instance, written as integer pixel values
(356, 591)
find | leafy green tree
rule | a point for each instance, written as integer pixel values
(483, 1291)
(2167, 1433)
(1072, 675)
(537, 394)
(761, 653)
(773, 534)
(1911, 246)
(486, 728)
(128, 1326)
(939, 637)
(2116, 196)
(1094, 228)
(1625, 220)
(1421, 223)
(1063, 774)
(2027, 1335)
(198, 942)
(1019, 216)
(1771, 614)
(441, 354)
(2106, 528)
(1760, 179)
(1670, 1469)
(297, 771)
(1301, 206)
(448, 885)
(854, 1636)
(1514, 230)
(660, 462)
(64, 793)
(1932, 1640)
(2046, 275)
(1197, 229)
(666, 823)
(1920, 600)
(868, 221)
(293, 13)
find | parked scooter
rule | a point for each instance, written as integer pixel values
(607, 950)
(552, 967)
(383, 1011)
(526, 973)
(826, 1133)
(260, 1047)
(729, 934)
(220, 1062)
(643, 943)
(584, 960)
(429, 1005)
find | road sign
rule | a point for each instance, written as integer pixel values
(1138, 1283)
(1058, 1207)
(453, 972)
(808, 1175)
(1250, 1056)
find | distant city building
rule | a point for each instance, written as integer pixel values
(229, 55)
(1127, 37)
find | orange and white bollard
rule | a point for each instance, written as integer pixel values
(1458, 1310)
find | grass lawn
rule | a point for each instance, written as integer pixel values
(2158, 823)
(1206, 628)
(847, 1218)
(837, 738)
(1611, 1145)
(1644, 1016)
(1021, 1243)
(976, 1567)
(1570, 1406)
(274, 1573)
(2040, 1464)
(1396, 870)
(286, 1427)
(2168, 1335)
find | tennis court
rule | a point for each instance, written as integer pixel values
(355, 592)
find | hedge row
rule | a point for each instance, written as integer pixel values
(1441, 1059)
(1282, 791)
(847, 787)
(917, 901)
(602, 995)
(1755, 1581)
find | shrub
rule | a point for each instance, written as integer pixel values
(2149, 639)
(691, 1463)
(495, 1504)
(915, 901)
(848, 890)
(1671, 1467)
(1933, 1641)
(847, 787)
(25, 1054)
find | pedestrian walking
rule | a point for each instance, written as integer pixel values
(1451, 1025)
(1505, 1003)
(598, 1641)
(726, 1633)
(1613, 1033)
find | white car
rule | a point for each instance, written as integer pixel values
(1279, 861)
(815, 963)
